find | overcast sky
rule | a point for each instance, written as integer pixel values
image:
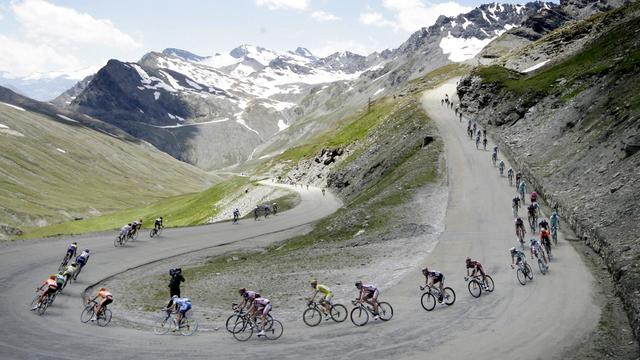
(66, 35)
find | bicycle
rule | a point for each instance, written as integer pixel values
(360, 313)
(523, 272)
(312, 316)
(484, 143)
(120, 240)
(515, 207)
(520, 233)
(501, 169)
(240, 316)
(494, 158)
(533, 220)
(167, 321)
(542, 266)
(546, 242)
(478, 142)
(41, 306)
(510, 177)
(64, 263)
(243, 330)
(428, 299)
(554, 234)
(102, 319)
(477, 284)
(156, 231)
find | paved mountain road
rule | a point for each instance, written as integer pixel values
(536, 321)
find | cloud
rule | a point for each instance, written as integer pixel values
(284, 4)
(46, 22)
(21, 58)
(411, 15)
(324, 16)
(375, 18)
(331, 47)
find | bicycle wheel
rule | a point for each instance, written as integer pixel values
(43, 306)
(242, 331)
(275, 332)
(385, 311)
(152, 233)
(449, 296)
(488, 283)
(87, 314)
(232, 321)
(34, 302)
(474, 288)
(312, 317)
(117, 242)
(522, 278)
(529, 272)
(162, 325)
(554, 235)
(541, 267)
(63, 264)
(188, 327)
(428, 301)
(359, 316)
(339, 313)
(105, 318)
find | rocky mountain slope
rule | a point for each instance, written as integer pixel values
(570, 124)
(252, 103)
(56, 167)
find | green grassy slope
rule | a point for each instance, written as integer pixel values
(57, 171)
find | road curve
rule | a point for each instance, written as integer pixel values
(539, 320)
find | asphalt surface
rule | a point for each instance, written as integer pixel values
(538, 321)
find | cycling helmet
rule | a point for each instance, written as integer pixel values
(242, 291)
(160, 217)
(358, 284)
(129, 224)
(467, 260)
(52, 277)
(425, 271)
(87, 250)
(512, 250)
(103, 289)
(314, 283)
(140, 221)
(74, 264)
(174, 297)
(75, 243)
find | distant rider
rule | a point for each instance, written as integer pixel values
(158, 223)
(81, 261)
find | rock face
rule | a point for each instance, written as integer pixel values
(576, 139)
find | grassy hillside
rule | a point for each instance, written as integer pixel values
(54, 170)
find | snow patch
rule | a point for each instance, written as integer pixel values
(378, 92)
(536, 66)
(60, 150)
(461, 49)
(485, 16)
(278, 105)
(187, 125)
(156, 95)
(466, 23)
(3, 126)
(13, 106)
(67, 118)
(282, 125)
(4, 129)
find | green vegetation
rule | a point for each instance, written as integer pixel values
(616, 52)
(182, 210)
(57, 171)
(438, 76)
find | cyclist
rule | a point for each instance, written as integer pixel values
(327, 296)
(71, 252)
(135, 226)
(180, 306)
(484, 143)
(158, 223)
(434, 277)
(247, 298)
(266, 210)
(517, 256)
(81, 261)
(477, 141)
(495, 149)
(484, 133)
(520, 230)
(476, 266)
(534, 197)
(501, 167)
(369, 294)
(544, 224)
(236, 215)
(545, 239)
(256, 212)
(515, 202)
(70, 271)
(124, 232)
(522, 188)
(260, 306)
(60, 280)
(537, 250)
(106, 299)
(51, 286)
(510, 175)
(274, 206)
(494, 158)
(532, 211)
(554, 220)
(518, 177)
(323, 191)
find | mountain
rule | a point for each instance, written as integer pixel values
(251, 103)
(58, 166)
(44, 86)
